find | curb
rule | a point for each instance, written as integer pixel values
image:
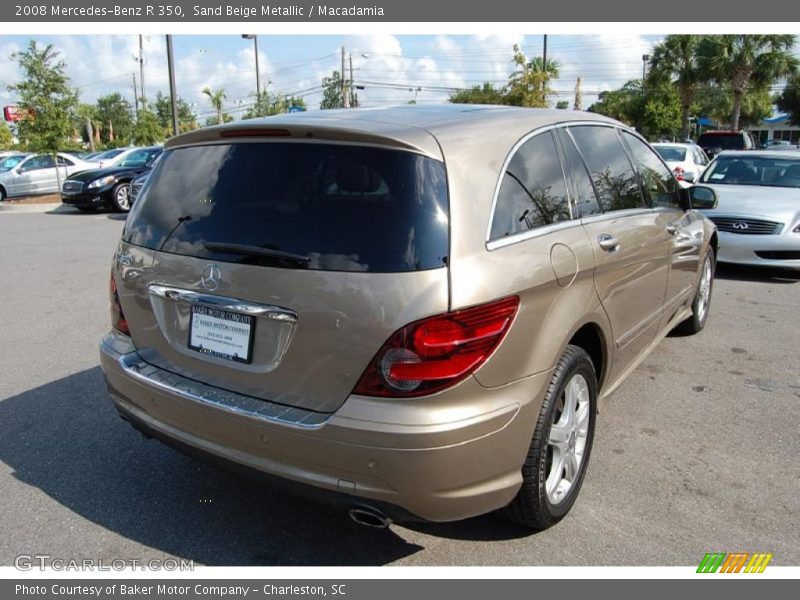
(36, 208)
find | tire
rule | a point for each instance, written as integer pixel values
(120, 197)
(702, 298)
(547, 493)
(2, 194)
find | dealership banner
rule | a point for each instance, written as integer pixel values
(441, 11)
(388, 589)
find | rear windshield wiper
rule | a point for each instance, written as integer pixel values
(259, 251)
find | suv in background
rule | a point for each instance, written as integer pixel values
(411, 310)
(714, 142)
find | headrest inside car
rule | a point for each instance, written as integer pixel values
(357, 179)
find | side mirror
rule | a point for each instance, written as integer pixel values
(703, 198)
(689, 177)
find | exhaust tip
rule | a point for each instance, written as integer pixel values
(369, 517)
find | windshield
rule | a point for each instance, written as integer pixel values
(755, 170)
(10, 162)
(726, 141)
(108, 154)
(139, 158)
(292, 205)
(673, 153)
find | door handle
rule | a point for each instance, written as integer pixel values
(608, 242)
(672, 229)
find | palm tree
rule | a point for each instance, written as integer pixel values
(675, 59)
(216, 97)
(552, 69)
(743, 61)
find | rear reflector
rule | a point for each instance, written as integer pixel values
(118, 321)
(430, 355)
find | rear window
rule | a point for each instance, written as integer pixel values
(672, 153)
(314, 206)
(726, 141)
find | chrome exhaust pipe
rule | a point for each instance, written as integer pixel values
(369, 517)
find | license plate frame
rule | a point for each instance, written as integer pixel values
(216, 320)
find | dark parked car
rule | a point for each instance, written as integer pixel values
(714, 142)
(109, 187)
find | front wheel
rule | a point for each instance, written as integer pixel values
(562, 443)
(120, 196)
(702, 298)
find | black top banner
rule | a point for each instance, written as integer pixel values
(255, 11)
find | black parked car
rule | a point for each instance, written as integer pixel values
(109, 187)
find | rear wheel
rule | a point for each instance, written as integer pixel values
(2, 194)
(120, 196)
(562, 443)
(702, 298)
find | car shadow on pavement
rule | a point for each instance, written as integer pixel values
(757, 274)
(66, 439)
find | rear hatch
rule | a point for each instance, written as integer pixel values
(277, 268)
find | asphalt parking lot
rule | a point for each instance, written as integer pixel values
(696, 452)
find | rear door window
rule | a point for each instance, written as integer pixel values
(657, 179)
(584, 196)
(296, 205)
(611, 171)
(533, 192)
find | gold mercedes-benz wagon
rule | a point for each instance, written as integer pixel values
(413, 311)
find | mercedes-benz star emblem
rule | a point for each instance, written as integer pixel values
(211, 277)
(740, 225)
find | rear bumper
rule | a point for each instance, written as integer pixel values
(745, 249)
(442, 458)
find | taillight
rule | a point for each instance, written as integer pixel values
(430, 355)
(118, 321)
(678, 172)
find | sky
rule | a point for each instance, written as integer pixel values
(392, 68)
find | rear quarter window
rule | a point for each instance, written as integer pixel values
(339, 207)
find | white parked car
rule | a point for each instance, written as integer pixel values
(687, 161)
(36, 174)
(109, 158)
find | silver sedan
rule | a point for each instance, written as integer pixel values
(758, 212)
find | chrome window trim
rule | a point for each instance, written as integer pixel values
(493, 244)
(531, 233)
(237, 305)
(514, 149)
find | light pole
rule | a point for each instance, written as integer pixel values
(252, 36)
(645, 59)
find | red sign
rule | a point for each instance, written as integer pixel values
(14, 113)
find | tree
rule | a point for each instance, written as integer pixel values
(675, 60)
(789, 100)
(148, 130)
(116, 115)
(332, 92)
(297, 103)
(562, 104)
(46, 97)
(578, 103)
(656, 113)
(485, 94)
(217, 99)
(553, 66)
(717, 103)
(162, 106)
(529, 86)
(85, 117)
(266, 104)
(6, 137)
(740, 61)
